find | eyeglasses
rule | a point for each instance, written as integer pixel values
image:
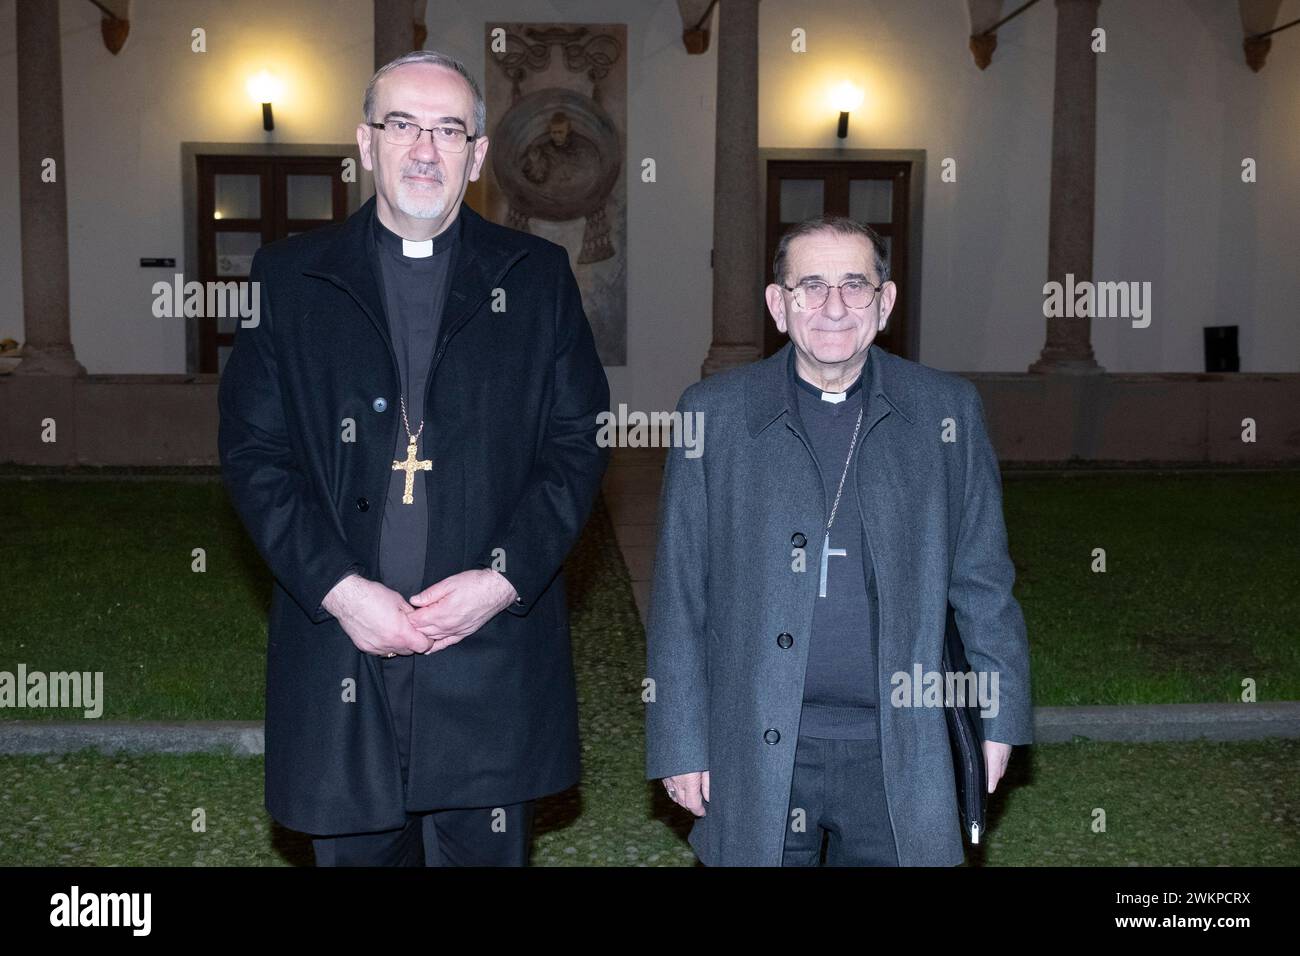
(812, 294)
(448, 139)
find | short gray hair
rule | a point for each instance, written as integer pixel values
(840, 226)
(433, 58)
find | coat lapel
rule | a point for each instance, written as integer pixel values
(768, 393)
(885, 394)
(481, 262)
(348, 263)
(881, 498)
(884, 495)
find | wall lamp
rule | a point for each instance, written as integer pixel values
(846, 98)
(265, 89)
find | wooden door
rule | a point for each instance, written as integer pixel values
(246, 202)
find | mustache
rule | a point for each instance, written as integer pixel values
(418, 170)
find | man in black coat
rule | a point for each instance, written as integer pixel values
(408, 432)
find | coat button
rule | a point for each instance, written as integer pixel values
(798, 540)
(363, 504)
(784, 641)
(771, 737)
(380, 404)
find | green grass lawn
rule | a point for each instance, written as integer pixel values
(98, 578)
(1186, 804)
(1202, 589)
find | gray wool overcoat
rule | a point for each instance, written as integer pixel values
(727, 694)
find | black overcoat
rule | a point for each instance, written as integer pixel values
(511, 412)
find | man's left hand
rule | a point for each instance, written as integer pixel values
(996, 756)
(454, 608)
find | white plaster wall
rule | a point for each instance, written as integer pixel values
(125, 117)
(1177, 111)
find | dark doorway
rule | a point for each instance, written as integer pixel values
(874, 192)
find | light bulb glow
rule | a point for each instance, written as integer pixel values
(846, 97)
(264, 88)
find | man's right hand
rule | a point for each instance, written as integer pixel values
(690, 790)
(374, 617)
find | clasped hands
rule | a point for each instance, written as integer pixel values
(380, 621)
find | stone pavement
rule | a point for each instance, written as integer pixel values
(1137, 724)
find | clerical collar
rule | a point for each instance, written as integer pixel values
(833, 397)
(391, 242)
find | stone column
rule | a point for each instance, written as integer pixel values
(394, 30)
(43, 216)
(1074, 152)
(737, 223)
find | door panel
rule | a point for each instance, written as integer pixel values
(246, 202)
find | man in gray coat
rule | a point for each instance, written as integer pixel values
(844, 499)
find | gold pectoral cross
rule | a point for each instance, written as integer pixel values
(411, 466)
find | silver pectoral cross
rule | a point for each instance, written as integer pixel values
(827, 553)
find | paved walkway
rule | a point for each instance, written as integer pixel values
(1144, 724)
(631, 490)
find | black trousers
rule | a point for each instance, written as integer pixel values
(469, 836)
(480, 836)
(837, 797)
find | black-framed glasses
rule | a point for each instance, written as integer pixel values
(813, 293)
(448, 139)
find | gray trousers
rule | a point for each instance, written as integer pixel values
(837, 798)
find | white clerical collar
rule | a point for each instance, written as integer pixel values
(833, 398)
(417, 250)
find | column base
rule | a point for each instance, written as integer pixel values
(49, 361)
(723, 357)
(1050, 363)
